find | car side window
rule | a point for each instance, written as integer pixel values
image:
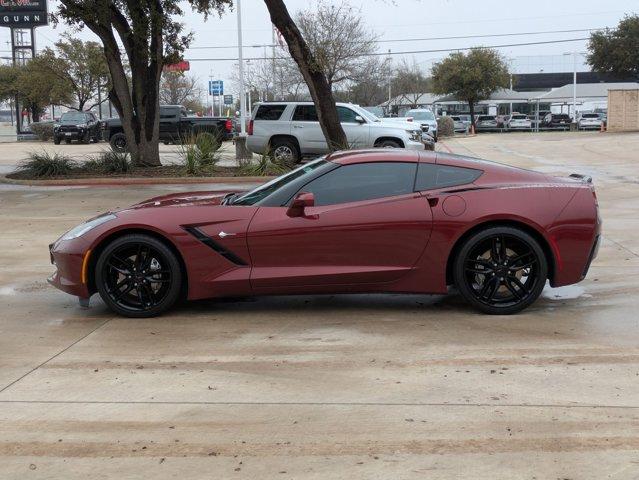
(269, 112)
(346, 115)
(305, 113)
(362, 181)
(431, 176)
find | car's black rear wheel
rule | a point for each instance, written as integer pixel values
(138, 276)
(285, 151)
(500, 270)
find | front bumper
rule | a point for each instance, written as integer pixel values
(68, 258)
(413, 145)
(71, 134)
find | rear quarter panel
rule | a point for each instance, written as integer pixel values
(565, 229)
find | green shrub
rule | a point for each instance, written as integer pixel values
(42, 130)
(108, 162)
(266, 165)
(445, 127)
(199, 152)
(46, 165)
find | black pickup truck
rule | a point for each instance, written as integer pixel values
(176, 126)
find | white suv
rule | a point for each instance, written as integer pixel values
(291, 130)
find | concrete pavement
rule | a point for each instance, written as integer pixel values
(326, 387)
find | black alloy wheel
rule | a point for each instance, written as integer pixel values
(501, 270)
(138, 276)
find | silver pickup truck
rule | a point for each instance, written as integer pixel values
(291, 130)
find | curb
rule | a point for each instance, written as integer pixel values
(75, 182)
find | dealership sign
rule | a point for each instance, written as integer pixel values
(183, 66)
(23, 13)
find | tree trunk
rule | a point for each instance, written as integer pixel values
(318, 85)
(471, 106)
(137, 104)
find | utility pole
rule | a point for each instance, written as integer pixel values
(241, 152)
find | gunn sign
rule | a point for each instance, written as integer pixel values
(23, 13)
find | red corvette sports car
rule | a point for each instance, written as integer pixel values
(360, 221)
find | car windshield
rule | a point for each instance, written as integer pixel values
(487, 117)
(590, 115)
(370, 116)
(519, 117)
(263, 191)
(421, 114)
(73, 118)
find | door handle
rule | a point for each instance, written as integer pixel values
(298, 126)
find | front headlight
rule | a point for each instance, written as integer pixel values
(414, 135)
(86, 227)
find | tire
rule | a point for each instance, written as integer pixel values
(285, 151)
(57, 140)
(504, 288)
(118, 143)
(388, 144)
(128, 263)
(86, 139)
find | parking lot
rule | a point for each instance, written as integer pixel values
(355, 386)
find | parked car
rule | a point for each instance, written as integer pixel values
(486, 123)
(176, 126)
(351, 222)
(81, 126)
(291, 130)
(537, 120)
(426, 120)
(502, 121)
(519, 121)
(590, 121)
(458, 124)
(466, 120)
(556, 121)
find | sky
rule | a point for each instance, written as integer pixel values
(392, 20)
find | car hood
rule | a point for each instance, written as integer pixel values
(385, 123)
(184, 199)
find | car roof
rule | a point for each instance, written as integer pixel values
(304, 103)
(348, 157)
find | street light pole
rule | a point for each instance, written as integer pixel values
(241, 152)
(574, 86)
(241, 71)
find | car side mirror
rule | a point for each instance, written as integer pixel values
(300, 203)
(359, 119)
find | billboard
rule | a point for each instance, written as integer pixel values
(183, 66)
(23, 13)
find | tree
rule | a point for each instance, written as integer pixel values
(311, 70)
(340, 40)
(178, 88)
(408, 78)
(616, 50)
(35, 89)
(471, 77)
(151, 35)
(81, 66)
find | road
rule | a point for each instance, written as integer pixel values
(326, 387)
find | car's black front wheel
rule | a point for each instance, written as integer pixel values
(500, 270)
(118, 143)
(138, 276)
(57, 140)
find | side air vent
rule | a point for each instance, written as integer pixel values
(209, 242)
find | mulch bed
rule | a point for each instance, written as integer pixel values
(165, 171)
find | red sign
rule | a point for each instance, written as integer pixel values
(182, 66)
